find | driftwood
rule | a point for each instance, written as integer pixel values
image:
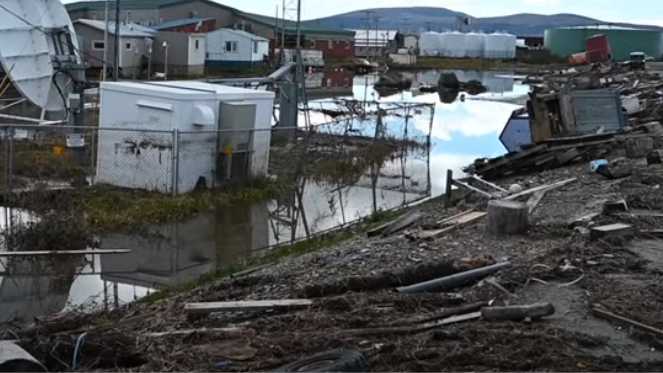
(518, 313)
(453, 281)
(599, 311)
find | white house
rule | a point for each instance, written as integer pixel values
(229, 47)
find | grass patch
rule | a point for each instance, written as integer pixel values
(109, 208)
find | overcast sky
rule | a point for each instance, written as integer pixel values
(634, 11)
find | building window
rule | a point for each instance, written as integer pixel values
(330, 44)
(231, 46)
(128, 46)
(98, 45)
(255, 47)
(197, 44)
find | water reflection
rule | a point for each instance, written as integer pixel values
(173, 254)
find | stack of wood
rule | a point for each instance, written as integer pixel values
(547, 155)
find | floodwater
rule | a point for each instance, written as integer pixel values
(173, 254)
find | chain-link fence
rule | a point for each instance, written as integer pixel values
(369, 147)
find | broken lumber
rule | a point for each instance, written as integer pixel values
(407, 330)
(62, 252)
(467, 186)
(488, 183)
(507, 217)
(258, 305)
(601, 312)
(548, 187)
(396, 225)
(612, 231)
(518, 313)
(446, 313)
(535, 199)
(453, 281)
(219, 332)
(456, 222)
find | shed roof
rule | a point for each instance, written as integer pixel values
(241, 33)
(130, 30)
(181, 22)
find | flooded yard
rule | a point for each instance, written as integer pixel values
(172, 254)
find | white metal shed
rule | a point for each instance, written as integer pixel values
(164, 136)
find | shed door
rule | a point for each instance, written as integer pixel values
(237, 122)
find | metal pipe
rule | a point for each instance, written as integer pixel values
(453, 281)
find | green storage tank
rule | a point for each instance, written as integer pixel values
(565, 41)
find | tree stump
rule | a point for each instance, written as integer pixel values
(507, 217)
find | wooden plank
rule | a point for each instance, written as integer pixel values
(457, 223)
(453, 217)
(488, 183)
(261, 305)
(408, 330)
(474, 189)
(395, 225)
(535, 200)
(540, 188)
(225, 332)
(599, 311)
(612, 230)
(403, 223)
(9, 254)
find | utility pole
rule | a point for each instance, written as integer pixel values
(105, 64)
(283, 33)
(116, 73)
(300, 66)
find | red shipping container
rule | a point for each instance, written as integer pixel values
(598, 49)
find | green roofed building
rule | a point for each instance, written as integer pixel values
(565, 41)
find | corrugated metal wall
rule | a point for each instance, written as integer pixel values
(564, 42)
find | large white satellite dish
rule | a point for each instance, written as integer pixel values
(38, 47)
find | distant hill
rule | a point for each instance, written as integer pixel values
(418, 19)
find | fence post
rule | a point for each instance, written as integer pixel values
(93, 154)
(10, 169)
(175, 161)
(251, 152)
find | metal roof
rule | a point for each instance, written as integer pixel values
(181, 22)
(129, 4)
(130, 30)
(241, 33)
(374, 38)
(291, 26)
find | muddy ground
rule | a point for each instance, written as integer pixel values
(353, 288)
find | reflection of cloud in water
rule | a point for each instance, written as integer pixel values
(444, 162)
(467, 119)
